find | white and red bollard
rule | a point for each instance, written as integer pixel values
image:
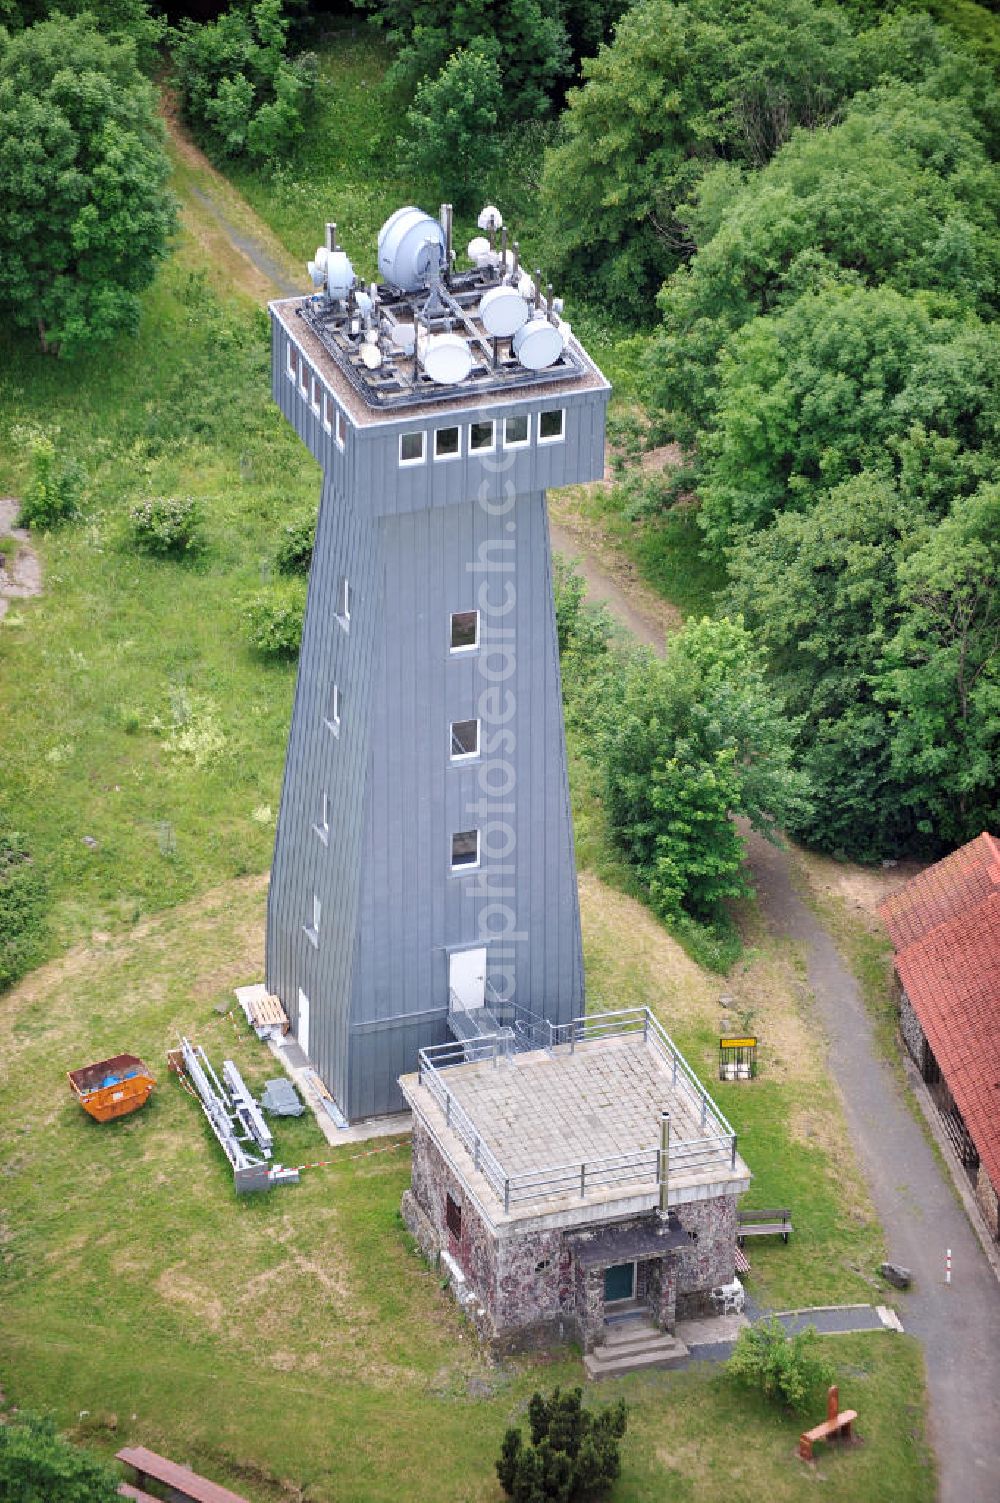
(947, 1266)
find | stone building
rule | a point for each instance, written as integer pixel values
(540, 1178)
(945, 928)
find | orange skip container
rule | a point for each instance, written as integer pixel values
(112, 1087)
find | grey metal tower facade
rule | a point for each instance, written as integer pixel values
(423, 865)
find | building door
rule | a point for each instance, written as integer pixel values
(466, 979)
(302, 1031)
(619, 1283)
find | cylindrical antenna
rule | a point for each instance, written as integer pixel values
(331, 235)
(503, 251)
(446, 219)
(548, 301)
(538, 286)
(517, 263)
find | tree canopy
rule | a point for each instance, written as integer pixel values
(450, 136)
(87, 215)
(36, 1463)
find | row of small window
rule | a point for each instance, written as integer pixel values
(312, 390)
(481, 437)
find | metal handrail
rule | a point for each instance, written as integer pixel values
(717, 1142)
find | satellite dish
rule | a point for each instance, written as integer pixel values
(363, 303)
(503, 311)
(526, 287)
(340, 277)
(490, 218)
(371, 355)
(403, 338)
(537, 344)
(479, 251)
(411, 249)
(446, 358)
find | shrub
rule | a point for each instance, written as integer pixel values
(22, 907)
(35, 1462)
(272, 620)
(451, 125)
(56, 485)
(295, 547)
(166, 526)
(783, 1367)
(573, 1452)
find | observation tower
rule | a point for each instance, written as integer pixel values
(423, 884)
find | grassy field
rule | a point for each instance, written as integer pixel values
(294, 1345)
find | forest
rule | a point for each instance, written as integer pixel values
(779, 223)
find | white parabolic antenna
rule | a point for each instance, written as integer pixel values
(503, 311)
(537, 344)
(479, 251)
(446, 358)
(411, 249)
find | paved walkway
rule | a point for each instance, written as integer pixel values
(959, 1325)
(918, 1206)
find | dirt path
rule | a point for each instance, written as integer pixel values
(20, 569)
(959, 1325)
(233, 238)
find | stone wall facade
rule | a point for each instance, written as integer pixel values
(909, 1027)
(523, 1288)
(989, 1201)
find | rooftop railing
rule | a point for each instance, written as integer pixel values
(714, 1147)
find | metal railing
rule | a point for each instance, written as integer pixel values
(714, 1147)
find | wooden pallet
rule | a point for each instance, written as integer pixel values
(267, 1012)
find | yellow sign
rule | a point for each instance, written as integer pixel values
(737, 1043)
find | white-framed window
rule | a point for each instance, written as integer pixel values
(412, 448)
(482, 437)
(464, 631)
(344, 600)
(341, 429)
(304, 375)
(464, 741)
(334, 708)
(327, 412)
(292, 363)
(464, 850)
(447, 443)
(516, 432)
(322, 825)
(316, 390)
(312, 930)
(552, 425)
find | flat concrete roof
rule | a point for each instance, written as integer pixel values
(559, 1108)
(364, 414)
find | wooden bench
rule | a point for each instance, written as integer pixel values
(148, 1466)
(126, 1490)
(837, 1426)
(764, 1224)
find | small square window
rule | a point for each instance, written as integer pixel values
(316, 389)
(453, 1217)
(292, 364)
(464, 849)
(341, 434)
(312, 930)
(516, 432)
(447, 443)
(304, 374)
(334, 706)
(322, 825)
(411, 448)
(464, 631)
(551, 425)
(327, 412)
(464, 739)
(344, 600)
(482, 437)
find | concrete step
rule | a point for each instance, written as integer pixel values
(633, 1341)
(613, 1362)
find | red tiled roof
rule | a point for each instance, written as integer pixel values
(943, 891)
(945, 925)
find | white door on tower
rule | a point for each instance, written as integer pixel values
(467, 979)
(302, 1031)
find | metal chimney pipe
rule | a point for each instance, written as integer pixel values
(538, 286)
(446, 219)
(664, 1160)
(503, 251)
(331, 235)
(517, 263)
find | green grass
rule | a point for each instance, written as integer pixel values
(294, 1344)
(133, 712)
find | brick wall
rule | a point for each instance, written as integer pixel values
(709, 1258)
